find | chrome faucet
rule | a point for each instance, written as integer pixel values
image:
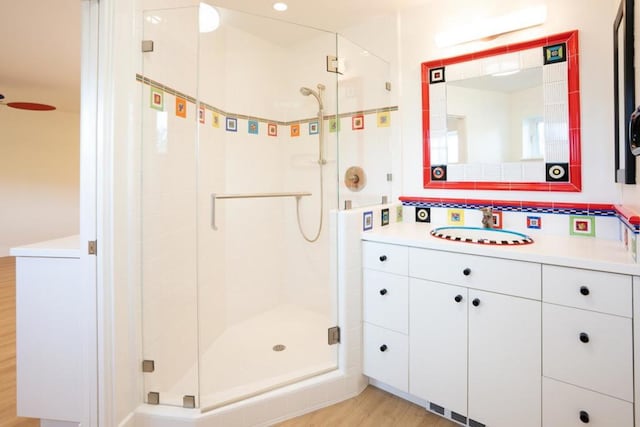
(487, 217)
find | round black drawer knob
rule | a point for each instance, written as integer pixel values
(383, 347)
(383, 291)
(584, 417)
(466, 271)
(584, 290)
(458, 298)
(475, 302)
(383, 258)
(584, 337)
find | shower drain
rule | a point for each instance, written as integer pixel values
(279, 347)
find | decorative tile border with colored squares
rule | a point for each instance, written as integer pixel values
(158, 90)
(367, 221)
(582, 225)
(628, 216)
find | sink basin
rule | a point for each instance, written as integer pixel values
(482, 236)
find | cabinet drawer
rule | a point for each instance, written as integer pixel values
(386, 356)
(385, 257)
(386, 300)
(564, 404)
(600, 360)
(588, 289)
(510, 277)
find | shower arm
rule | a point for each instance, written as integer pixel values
(215, 196)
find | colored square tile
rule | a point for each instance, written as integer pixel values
(423, 214)
(367, 221)
(215, 120)
(384, 119)
(436, 75)
(455, 216)
(272, 129)
(313, 128)
(357, 122)
(555, 53)
(582, 225)
(534, 222)
(439, 173)
(181, 107)
(157, 99)
(253, 127)
(201, 114)
(295, 130)
(399, 211)
(557, 172)
(334, 124)
(232, 124)
(497, 219)
(384, 217)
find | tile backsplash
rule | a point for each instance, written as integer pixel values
(583, 220)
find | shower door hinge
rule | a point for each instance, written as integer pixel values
(147, 45)
(334, 335)
(148, 366)
(389, 177)
(92, 247)
(387, 86)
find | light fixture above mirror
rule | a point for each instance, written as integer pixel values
(507, 118)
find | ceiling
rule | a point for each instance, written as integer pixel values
(41, 39)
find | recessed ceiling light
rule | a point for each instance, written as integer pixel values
(280, 7)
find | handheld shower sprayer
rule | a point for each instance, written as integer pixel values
(321, 160)
(318, 96)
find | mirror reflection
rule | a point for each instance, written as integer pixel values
(494, 119)
(504, 118)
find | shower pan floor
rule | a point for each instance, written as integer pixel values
(242, 362)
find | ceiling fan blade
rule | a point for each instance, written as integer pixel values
(30, 106)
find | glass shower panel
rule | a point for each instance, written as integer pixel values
(168, 223)
(266, 298)
(365, 125)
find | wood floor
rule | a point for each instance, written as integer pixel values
(372, 408)
(8, 347)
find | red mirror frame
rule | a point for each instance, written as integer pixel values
(574, 181)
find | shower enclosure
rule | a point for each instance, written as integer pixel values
(240, 166)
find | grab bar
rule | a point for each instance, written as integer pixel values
(215, 196)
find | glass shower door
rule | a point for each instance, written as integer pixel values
(266, 295)
(168, 204)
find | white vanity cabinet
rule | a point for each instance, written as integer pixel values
(525, 337)
(474, 352)
(587, 348)
(385, 314)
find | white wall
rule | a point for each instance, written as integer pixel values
(39, 176)
(418, 28)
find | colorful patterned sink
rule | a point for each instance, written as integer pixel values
(481, 236)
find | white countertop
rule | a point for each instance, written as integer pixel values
(570, 251)
(66, 247)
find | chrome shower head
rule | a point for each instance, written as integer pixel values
(317, 95)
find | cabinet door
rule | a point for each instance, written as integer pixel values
(438, 344)
(386, 300)
(385, 356)
(504, 360)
